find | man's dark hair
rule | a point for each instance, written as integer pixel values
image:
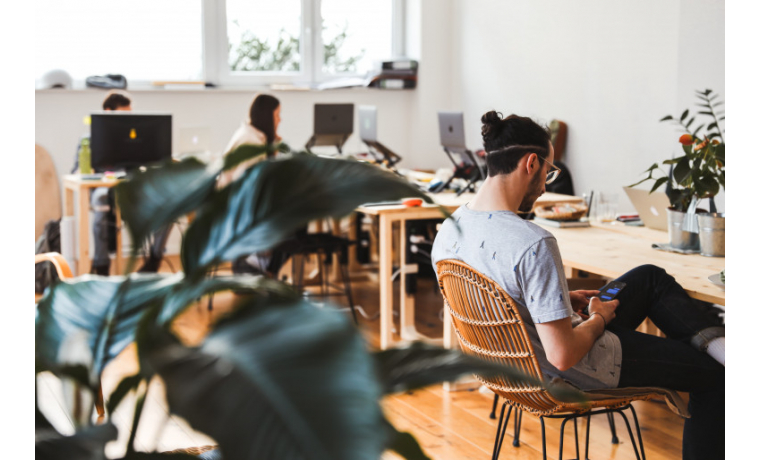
(115, 100)
(507, 140)
(262, 115)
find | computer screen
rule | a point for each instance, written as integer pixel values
(451, 129)
(333, 118)
(127, 140)
(368, 123)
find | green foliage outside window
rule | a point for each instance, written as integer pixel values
(255, 54)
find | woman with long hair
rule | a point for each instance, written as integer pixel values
(259, 129)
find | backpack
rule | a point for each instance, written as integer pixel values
(49, 241)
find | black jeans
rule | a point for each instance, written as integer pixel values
(672, 362)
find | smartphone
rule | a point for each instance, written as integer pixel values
(610, 290)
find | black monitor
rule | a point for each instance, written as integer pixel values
(122, 141)
(333, 124)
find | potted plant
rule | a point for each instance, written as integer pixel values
(279, 377)
(698, 173)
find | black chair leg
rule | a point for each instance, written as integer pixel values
(611, 419)
(543, 436)
(588, 434)
(493, 409)
(347, 289)
(638, 432)
(518, 426)
(562, 437)
(577, 447)
(501, 429)
(630, 434)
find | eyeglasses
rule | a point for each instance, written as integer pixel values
(552, 175)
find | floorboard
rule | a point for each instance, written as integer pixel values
(447, 425)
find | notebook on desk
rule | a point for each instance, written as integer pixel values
(652, 207)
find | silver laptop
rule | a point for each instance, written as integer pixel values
(652, 208)
(368, 123)
(194, 140)
(451, 127)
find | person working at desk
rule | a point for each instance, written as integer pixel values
(102, 202)
(601, 348)
(259, 129)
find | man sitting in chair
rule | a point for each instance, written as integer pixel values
(600, 349)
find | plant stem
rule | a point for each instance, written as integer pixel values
(715, 117)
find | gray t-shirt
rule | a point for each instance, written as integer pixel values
(524, 260)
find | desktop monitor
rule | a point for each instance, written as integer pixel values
(128, 140)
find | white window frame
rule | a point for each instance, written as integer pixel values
(215, 47)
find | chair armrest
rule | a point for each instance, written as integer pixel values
(60, 264)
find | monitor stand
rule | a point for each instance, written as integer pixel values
(336, 140)
(471, 173)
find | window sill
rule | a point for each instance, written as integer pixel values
(222, 89)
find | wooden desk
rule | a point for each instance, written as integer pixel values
(611, 250)
(74, 184)
(388, 216)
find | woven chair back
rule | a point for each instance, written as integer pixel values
(489, 326)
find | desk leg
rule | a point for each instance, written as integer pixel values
(336, 272)
(68, 202)
(386, 284)
(406, 304)
(354, 226)
(83, 228)
(119, 257)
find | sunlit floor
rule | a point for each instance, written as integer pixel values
(452, 425)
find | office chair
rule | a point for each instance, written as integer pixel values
(488, 324)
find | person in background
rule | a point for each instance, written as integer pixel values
(102, 202)
(259, 129)
(576, 336)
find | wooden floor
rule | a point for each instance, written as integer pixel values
(448, 425)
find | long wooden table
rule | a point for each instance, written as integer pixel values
(389, 215)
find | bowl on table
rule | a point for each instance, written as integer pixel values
(562, 212)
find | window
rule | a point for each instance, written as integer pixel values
(143, 40)
(228, 42)
(299, 41)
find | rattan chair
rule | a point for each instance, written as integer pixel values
(488, 325)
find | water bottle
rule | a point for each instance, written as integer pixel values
(85, 163)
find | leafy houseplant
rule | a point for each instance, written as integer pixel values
(700, 171)
(279, 377)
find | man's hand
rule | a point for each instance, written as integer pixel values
(605, 309)
(579, 300)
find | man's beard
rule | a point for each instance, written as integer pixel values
(534, 191)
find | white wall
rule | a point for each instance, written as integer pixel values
(610, 70)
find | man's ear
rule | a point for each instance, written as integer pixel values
(530, 162)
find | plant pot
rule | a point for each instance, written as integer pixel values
(680, 239)
(712, 234)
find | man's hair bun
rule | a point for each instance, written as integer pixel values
(491, 121)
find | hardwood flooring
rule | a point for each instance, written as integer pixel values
(448, 425)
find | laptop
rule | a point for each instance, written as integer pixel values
(652, 208)
(451, 128)
(194, 140)
(333, 124)
(368, 123)
(368, 135)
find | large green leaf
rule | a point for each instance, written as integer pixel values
(159, 196)
(292, 382)
(682, 170)
(92, 304)
(274, 198)
(187, 292)
(88, 444)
